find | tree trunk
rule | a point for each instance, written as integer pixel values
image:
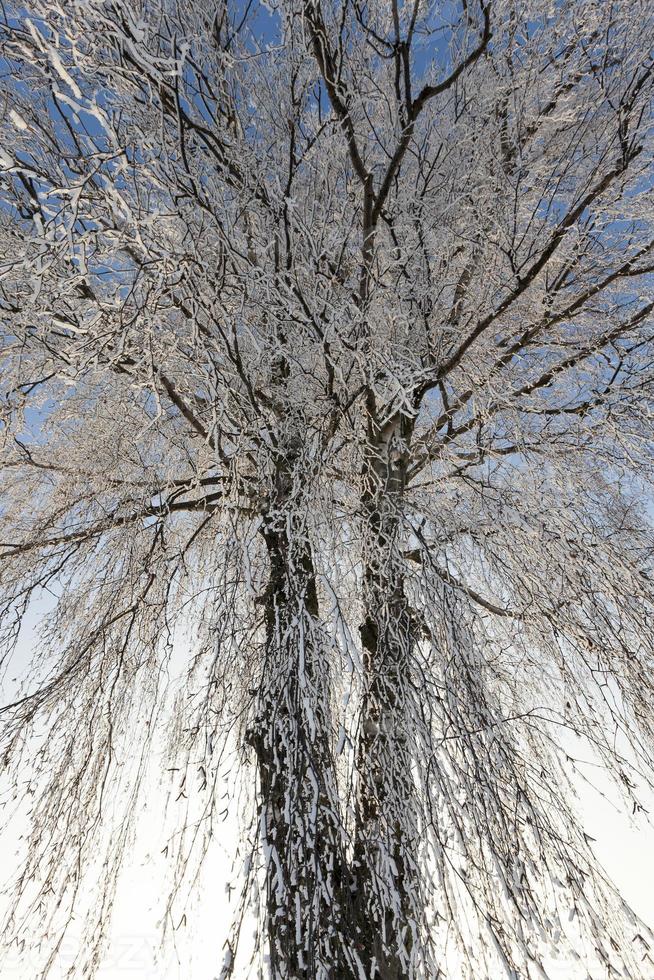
(330, 916)
(307, 880)
(386, 827)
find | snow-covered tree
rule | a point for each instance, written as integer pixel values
(327, 358)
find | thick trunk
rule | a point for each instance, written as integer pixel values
(307, 884)
(334, 915)
(386, 829)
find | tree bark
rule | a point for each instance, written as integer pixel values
(307, 877)
(334, 913)
(386, 805)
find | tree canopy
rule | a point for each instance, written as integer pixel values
(327, 359)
